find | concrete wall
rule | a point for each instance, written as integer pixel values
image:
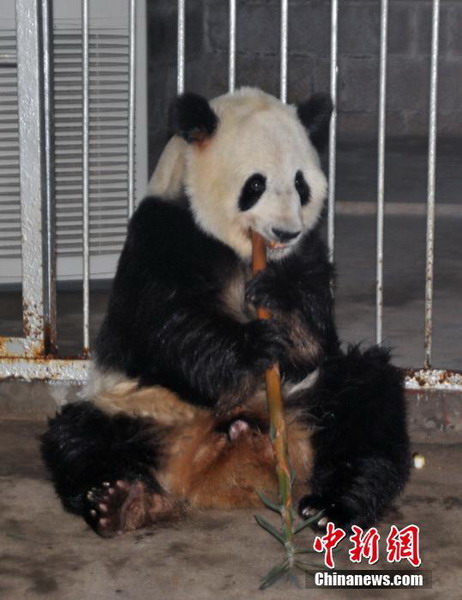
(309, 42)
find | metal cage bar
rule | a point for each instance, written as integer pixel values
(180, 46)
(232, 46)
(332, 130)
(131, 106)
(381, 167)
(33, 155)
(86, 173)
(284, 48)
(430, 236)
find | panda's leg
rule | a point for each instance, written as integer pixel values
(361, 447)
(103, 468)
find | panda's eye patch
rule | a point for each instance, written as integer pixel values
(302, 188)
(252, 190)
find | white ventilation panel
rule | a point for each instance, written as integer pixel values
(109, 118)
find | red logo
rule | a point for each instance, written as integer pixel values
(364, 545)
(328, 542)
(404, 544)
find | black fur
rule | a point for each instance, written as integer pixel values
(83, 447)
(252, 191)
(192, 117)
(315, 115)
(360, 442)
(165, 323)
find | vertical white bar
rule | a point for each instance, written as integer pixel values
(131, 105)
(49, 216)
(232, 46)
(85, 174)
(381, 168)
(431, 185)
(31, 174)
(333, 130)
(180, 46)
(284, 44)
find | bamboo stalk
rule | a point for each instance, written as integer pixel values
(276, 413)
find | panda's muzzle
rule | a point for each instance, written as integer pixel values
(283, 236)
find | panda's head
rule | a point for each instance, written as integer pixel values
(251, 162)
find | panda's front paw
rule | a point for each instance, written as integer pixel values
(265, 343)
(343, 512)
(266, 290)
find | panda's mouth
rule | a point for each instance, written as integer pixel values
(276, 245)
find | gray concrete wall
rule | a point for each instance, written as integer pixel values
(309, 40)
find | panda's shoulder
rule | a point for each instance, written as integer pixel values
(154, 213)
(313, 248)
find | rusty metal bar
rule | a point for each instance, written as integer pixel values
(44, 369)
(32, 154)
(433, 379)
(381, 168)
(283, 49)
(431, 185)
(180, 46)
(333, 129)
(131, 106)
(49, 213)
(232, 46)
(86, 173)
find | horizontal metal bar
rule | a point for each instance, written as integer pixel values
(78, 371)
(433, 379)
(402, 209)
(45, 370)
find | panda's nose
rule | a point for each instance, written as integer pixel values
(285, 236)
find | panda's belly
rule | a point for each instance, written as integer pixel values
(211, 461)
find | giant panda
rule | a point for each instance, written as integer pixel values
(177, 417)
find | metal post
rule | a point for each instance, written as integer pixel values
(131, 107)
(86, 174)
(33, 157)
(333, 130)
(232, 46)
(431, 185)
(381, 168)
(284, 44)
(180, 46)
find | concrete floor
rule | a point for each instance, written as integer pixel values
(47, 553)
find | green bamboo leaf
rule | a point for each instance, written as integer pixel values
(309, 521)
(274, 575)
(270, 529)
(268, 502)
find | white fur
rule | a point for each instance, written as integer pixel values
(256, 134)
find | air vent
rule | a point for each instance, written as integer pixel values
(108, 55)
(109, 45)
(10, 210)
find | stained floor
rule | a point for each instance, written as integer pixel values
(47, 553)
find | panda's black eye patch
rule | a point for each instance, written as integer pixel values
(302, 188)
(252, 190)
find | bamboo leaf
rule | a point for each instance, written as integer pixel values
(274, 575)
(268, 502)
(270, 529)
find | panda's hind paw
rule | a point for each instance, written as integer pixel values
(115, 508)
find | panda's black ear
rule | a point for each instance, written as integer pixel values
(192, 118)
(315, 115)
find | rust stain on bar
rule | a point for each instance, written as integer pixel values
(433, 379)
